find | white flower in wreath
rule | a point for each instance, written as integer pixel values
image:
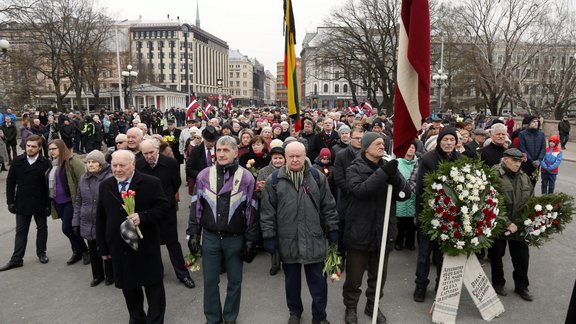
(459, 187)
(538, 208)
(468, 176)
(460, 245)
(454, 174)
(482, 187)
(495, 200)
(478, 173)
(475, 192)
(469, 185)
(461, 179)
(464, 209)
(443, 178)
(543, 229)
(434, 186)
(461, 197)
(431, 203)
(496, 211)
(474, 208)
(435, 223)
(444, 237)
(536, 232)
(474, 241)
(465, 193)
(527, 222)
(468, 229)
(466, 168)
(488, 232)
(554, 215)
(549, 207)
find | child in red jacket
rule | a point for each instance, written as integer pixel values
(550, 164)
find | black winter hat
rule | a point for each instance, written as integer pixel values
(448, 130)
(209, 133)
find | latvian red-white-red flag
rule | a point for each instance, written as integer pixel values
(351, 109)
(412, 98)
(191, 108)
(368, 108)
(228, 106)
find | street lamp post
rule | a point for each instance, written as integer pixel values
(118, 64)
(186, 31)
(129, 76)
(440, 79)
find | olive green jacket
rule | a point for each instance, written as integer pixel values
(74, 170)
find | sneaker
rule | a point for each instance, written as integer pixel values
(351, 316)
(380, 318)
(419, 294)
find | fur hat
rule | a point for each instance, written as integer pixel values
(209, 133)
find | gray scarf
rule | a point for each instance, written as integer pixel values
(52, 178)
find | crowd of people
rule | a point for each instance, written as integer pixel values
(255, 181)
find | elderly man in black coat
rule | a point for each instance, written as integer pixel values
(203, 155)
(167, 170)
(133, 269)
(27, 196)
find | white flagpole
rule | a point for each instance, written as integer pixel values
(382, 247)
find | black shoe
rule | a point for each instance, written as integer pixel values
(524, 294)
(11, 265)
(500, 290)
(294, 319)
(380, 318)
(320, 322)
(74, 258)
(398, 247)
(411, 248)
(419, 294)
(188, 282)
(86, 258)
(96, 282)
(108, 282)
(43, 258)
(351, 317)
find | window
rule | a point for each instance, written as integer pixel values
(231, 84)
(104, 74)
(237, 83)
(345, 88)
(325, 88)
(231, 75)
(245, 84)
(237, 74)
(244, 74)
(337, 75)
(537, 60)
(500, 59)
(315, 89)
(336, 88)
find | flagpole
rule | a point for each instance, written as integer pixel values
(382, 249)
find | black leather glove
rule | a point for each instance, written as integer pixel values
(76, 230)
(270, 244)
(249, 252)
(12, 208)
(391, 168)
(333, 237)
(194, 243)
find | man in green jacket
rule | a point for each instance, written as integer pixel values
(297, 211)
(517, 190)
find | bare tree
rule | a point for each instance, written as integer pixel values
(499, 38)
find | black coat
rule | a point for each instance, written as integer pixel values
(132, 269)
(196, 161)
(368, 186)
(492, 154)
(26, 185)
(320, 141)
(167, 170)
(341, 163)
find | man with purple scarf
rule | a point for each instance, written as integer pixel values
(223, 206)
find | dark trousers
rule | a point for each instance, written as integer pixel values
(563, 139)
(11, 146)
(316, 285)
(77, 142)
(65, 212)
(548, 182)
(406, 231)
(21, 239)
(100, 268)
(520, 259)
(177, 260)
(156, 299)
(214, 249)
(358, 262)
(425, 248)
(529, 169)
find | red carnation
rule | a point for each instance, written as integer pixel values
(456, 234)
(437, 197)
(442, 191)
(446, 200)
(556, 222)
(444, 227)
(445, 215)
(531, 217)
(485, 211)
(479, 223)
(539, 213)
(453, 209)
(456, 225)
(450, 218)
(439, 210)
(479, 231)
(489, 223)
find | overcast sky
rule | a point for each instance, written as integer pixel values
(252, 26)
